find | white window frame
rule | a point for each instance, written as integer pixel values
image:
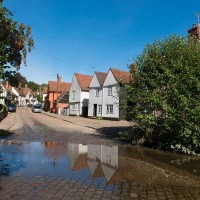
(73, 94)
(99, 109)
(97, 92)
(109, 108)
(72, 106)
(109, 91)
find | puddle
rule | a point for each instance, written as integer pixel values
(100, 162)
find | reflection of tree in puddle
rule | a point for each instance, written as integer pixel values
(55, 150)
(4, 168)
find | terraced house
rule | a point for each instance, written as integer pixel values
(96, 94)
(104, 93)
(79, 94)
(56, 90)
(113, 83)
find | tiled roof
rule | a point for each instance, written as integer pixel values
(84, 81)
(121, 76)
(55, 86)
(34, 93)
(63, 96)
(20, 91)
(25, 90)
(101, 76)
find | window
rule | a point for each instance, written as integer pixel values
(78, 106)
(109, 91)
(73, 107)
(109, 109)
(97, 92)
(99, 109)
(73, 94)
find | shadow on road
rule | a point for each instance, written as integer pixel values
(113, 133)
(5, 134)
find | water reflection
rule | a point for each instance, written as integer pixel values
(111, 163)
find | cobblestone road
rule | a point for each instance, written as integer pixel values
(37, 188)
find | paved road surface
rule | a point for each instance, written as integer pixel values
(30, 126)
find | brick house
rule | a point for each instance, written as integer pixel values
(54, 90)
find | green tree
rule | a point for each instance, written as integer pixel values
(34, 86)
(165, 94)
(17, 80)
(15, 42)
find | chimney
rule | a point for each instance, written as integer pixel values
(59, 79)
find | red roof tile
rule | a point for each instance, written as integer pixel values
(84, 81)
(121, 76)
(55, 86)
(101, 76)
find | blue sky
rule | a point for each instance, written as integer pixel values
(84, 36)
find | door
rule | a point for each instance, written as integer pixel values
(95, 110)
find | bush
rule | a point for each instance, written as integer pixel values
(3, 111)
(165, 92)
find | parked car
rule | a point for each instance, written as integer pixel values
(37, 108)
(11, 107)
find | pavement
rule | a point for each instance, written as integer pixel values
(8, 122)
(89, 122)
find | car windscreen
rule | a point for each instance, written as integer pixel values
(37, 106)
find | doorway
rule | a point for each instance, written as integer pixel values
(94, 110)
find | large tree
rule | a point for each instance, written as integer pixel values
(15, 42)
(17, 80)
(165, 94)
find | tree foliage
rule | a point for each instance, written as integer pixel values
(34, 86)
(165, 94)
(17, 80)
(15, 42)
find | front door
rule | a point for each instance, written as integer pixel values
(95, 110)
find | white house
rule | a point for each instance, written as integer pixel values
(12, 94)
(3, 93)
(96, 94)
(79, 94)
(110, 103)
(26, 96)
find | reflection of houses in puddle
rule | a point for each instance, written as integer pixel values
(77, 154)
(103, 160)
(55, 150)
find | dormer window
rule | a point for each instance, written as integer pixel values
(109, 91)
